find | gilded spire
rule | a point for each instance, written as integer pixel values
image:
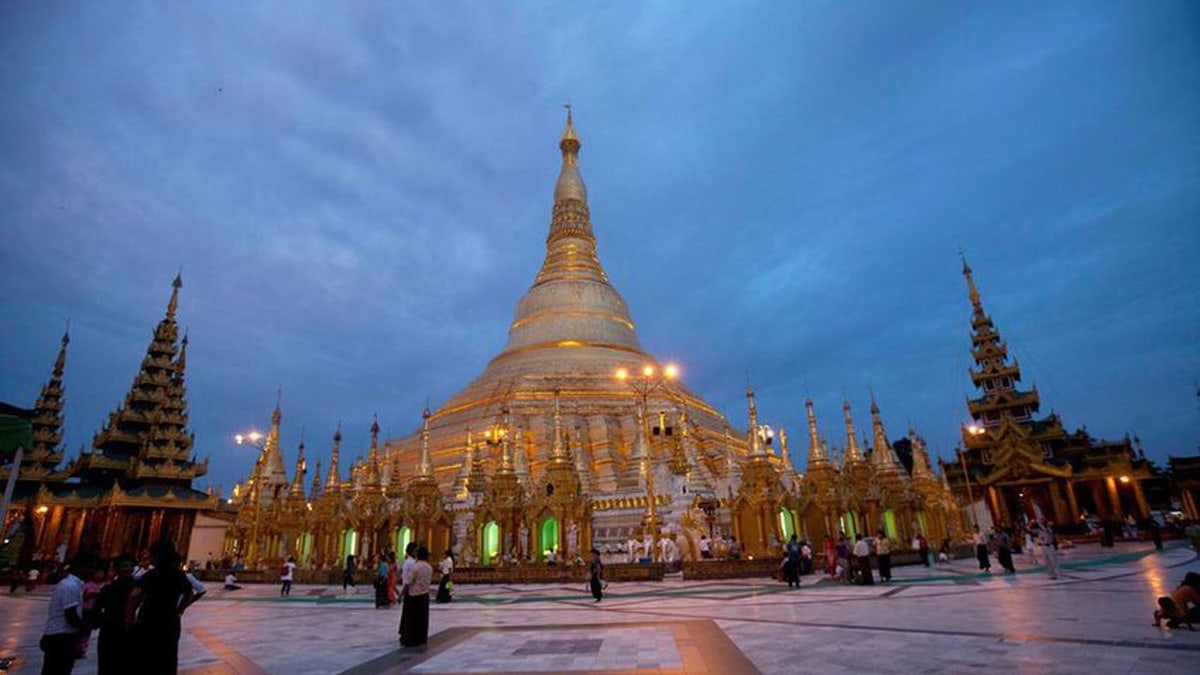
(756, 448)
(570, 246)
(332, 481)
(557, 454)
(971, 290)
(816, 451)
(520, 455)
(314, 490)
(424, 468)
(852, 454)
(922, 468)
(297, 489)
(882, 455)
(173, 303)
(275, 474)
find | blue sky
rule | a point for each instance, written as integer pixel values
(358, 195)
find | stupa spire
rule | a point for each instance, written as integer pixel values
(557, 454)
(882, 455)
(424, 468)
(332, 481)
(852, 453)
(297, 489)
(756, 448)
(273, 470)
(816, 451)
(314, 490)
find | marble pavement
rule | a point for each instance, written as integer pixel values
(1095, 618)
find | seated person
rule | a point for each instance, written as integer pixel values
(1182, 606)
(231, 582)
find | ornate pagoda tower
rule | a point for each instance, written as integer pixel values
(134, 487)
(1026, 468)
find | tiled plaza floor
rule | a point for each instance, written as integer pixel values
(1095, 618)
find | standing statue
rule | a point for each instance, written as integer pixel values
(572, 541)
(523, 541)
(648, 546)
(633, 550)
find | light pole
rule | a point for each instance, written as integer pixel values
(969, 431)
(645, 382)
(254, 439)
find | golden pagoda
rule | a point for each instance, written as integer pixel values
(555, 383)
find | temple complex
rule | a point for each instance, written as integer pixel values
(134, 487)
(574, 436)
(1023, 467)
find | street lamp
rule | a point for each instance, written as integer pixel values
(649, 380)
(254, 439)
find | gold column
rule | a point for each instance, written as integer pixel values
(1115, 498)
(1072, 503)
(1140, 496)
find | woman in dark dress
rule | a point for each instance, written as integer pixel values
(1004, 551)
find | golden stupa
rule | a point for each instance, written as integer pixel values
(571, 334)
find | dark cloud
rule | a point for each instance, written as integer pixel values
(358, 197)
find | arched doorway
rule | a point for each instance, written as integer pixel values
(489, 547)
(847, 525)
(787, 523)
(889, 525)
(403, 536)
(548, 541)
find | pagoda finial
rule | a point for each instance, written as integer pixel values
(173, 303)
(332, 481)
(882, 455)
(756, 448)
(297, 489)
(314, 490)
(852, 454)
(816, 452)
(570, 188)
(423, 466)
(972, 291)
(556, 449)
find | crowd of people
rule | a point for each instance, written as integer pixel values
(135, 607)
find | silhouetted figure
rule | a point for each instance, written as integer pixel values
(115, 644)
(64, 620)
(158, 600)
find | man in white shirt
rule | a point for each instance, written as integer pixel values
(705, 548)
(64, 619)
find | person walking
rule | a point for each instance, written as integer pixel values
(806, 558)
(596, 575)
(883, 551)
(348, 573)
(382, 572)
(830, 557)
(65, 626)
(922, 548)
(114, 649)
(981, 550)
(416, 600)
(445, 585)
(791, 566)
(288, 574)
(1046, 550)
(160, 598)
(1004, 551)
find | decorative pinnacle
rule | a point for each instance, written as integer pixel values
(972, 291)
(570, 141)
(423, 466)
(173, 304)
